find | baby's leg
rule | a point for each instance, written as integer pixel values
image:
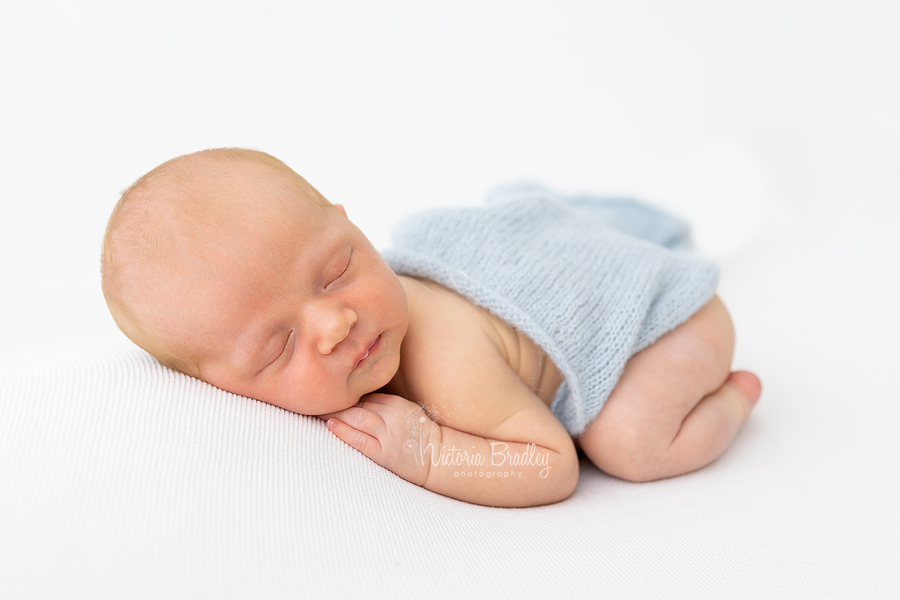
(677, 405)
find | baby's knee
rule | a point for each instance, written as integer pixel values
(636, 468)
(625, 452)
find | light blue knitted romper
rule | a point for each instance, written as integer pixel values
(590, 280)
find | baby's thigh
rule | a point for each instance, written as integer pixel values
(658, 388)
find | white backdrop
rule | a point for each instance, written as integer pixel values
(774, 126)
(390, 106)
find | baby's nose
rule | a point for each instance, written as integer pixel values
(334, 327)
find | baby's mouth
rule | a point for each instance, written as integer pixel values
(368, 350)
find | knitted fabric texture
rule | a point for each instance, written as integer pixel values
(590, 280)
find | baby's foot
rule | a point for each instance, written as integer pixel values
(747, 385)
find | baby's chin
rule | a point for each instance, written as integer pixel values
(331, 411)
(358, 400)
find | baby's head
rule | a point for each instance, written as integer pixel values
(228, 266)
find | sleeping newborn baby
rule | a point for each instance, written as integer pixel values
(475, 366)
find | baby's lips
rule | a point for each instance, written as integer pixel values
(364, 355)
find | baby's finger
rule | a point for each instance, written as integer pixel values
(362, 418)
(374, 406)
(377, 398)
(356, 439)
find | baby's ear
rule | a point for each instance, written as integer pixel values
(340, 207)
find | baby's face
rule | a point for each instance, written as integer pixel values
(302, 313)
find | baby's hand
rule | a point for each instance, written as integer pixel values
(390, 430)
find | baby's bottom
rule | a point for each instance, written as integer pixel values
(677, 405)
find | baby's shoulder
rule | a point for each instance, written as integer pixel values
(468, 368)
(442, 323)
(447, 336)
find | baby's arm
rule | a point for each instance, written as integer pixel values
(529, 459)
(518, 453)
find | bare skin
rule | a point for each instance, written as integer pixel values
(300, 311)
(676, 408)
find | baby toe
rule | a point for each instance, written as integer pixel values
(747, 384)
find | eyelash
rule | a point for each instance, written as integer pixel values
(287, 342)
(347, 268)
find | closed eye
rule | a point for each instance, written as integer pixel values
(287, 344)
(346, 268)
